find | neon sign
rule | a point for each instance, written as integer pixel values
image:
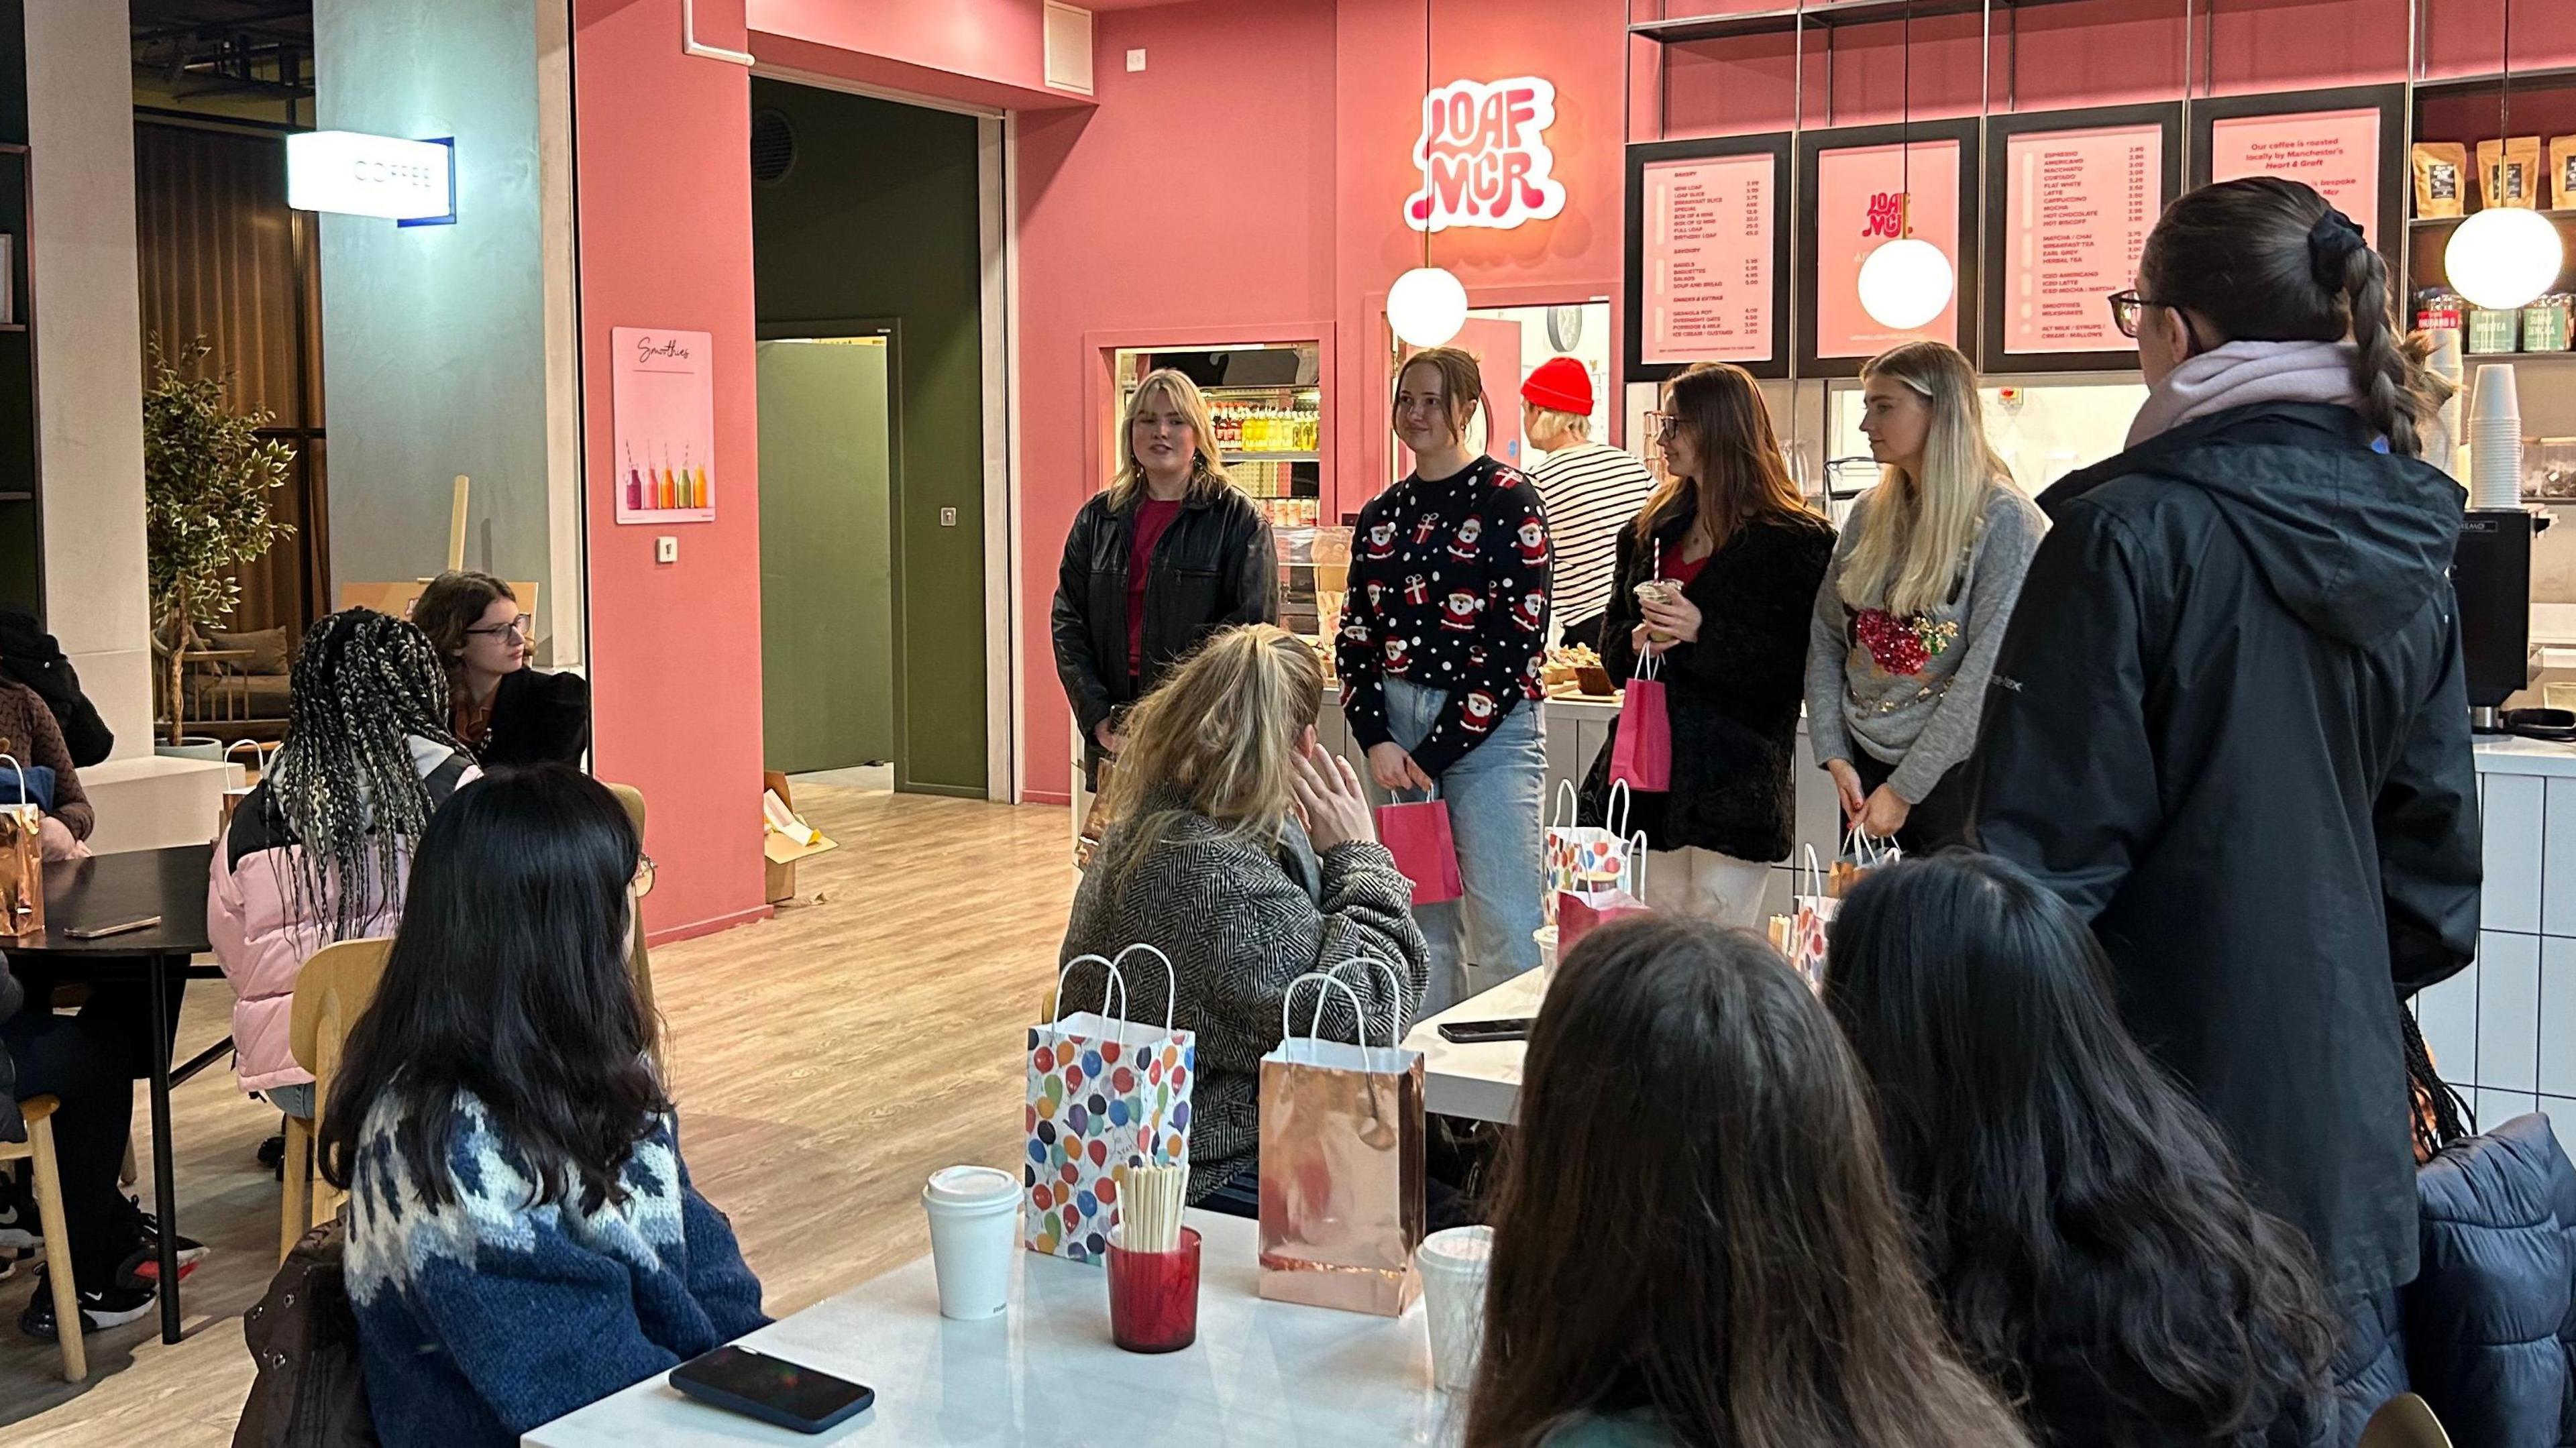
(1483, 156)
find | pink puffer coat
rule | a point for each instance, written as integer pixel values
(263, 940)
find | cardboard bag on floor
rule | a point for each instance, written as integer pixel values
(1104, 1092)
(22, 860)
(1580, 912)
(1341, 1162)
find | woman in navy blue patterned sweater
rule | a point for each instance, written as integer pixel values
(523, 1237)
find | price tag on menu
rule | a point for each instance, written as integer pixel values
(2076, 217)
(1866, 197)
(1708, 256)
(2337, 152)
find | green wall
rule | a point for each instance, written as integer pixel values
(826, 557)
(877, 220)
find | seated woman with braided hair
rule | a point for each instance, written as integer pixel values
(318, 850)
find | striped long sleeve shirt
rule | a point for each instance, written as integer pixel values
(1590, 491)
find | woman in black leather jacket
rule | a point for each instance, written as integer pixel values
(1168, 554)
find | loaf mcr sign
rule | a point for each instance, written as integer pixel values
(1483, 156)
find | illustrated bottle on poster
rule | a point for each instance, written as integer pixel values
(662, 483)
(634, 484)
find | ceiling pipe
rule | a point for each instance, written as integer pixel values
(689, 38)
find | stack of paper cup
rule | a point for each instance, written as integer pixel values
(2445, 362)
(974, 1235)
(1453, 1301)
(2495, 439)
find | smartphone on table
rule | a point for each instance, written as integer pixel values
(770, 1389)
(1471, 1033)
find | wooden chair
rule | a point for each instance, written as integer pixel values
(331, 992)
(39, 1148)
(641, 961)
(2404, 1421)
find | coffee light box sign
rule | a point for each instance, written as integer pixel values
(2078, 207)
(355, 174)
(1484, 157)
(2336, 151)
(1866, 197)
(1707, 253)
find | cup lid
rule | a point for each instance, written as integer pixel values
(967, 1186)
(1459, 1249)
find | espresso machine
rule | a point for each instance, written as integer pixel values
(2491, 573)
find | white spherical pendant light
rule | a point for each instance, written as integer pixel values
(2504, 256)
(1426, 306)
(1905, 283)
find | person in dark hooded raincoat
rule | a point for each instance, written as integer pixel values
(2229, 721)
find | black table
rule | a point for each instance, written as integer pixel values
(105, 890)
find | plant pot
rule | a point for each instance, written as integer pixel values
(193, 746)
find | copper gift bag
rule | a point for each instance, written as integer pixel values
(22, 860)
(1341, 1166)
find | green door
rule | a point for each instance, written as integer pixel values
(826, 558)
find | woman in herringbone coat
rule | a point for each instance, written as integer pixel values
(1245, 853)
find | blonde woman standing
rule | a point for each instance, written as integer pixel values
(1245, 853)
(1914, 604)
(1169, 553)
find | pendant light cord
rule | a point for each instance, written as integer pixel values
(1905, 133)
(1430, 202)
(2504, 78)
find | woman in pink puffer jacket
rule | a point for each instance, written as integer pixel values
(318, 850)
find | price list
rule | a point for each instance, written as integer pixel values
(2077, 214)
(1708, 258)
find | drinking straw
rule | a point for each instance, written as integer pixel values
(1149, 1207)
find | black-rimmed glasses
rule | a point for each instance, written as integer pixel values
(2128, 310)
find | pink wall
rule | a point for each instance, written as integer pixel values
(988, 52)
(675, 648)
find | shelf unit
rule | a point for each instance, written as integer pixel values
(1817, 15)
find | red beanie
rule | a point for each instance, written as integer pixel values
(1559, 384)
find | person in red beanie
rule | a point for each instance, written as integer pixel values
(1590, 490)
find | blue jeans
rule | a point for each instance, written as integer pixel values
(1495, 793)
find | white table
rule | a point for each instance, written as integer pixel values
(1482, 1081)
(1045, 1373)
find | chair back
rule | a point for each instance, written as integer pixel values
(640, 961)
(2404, 1421)
(332, 990)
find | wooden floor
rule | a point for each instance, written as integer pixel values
(825, 1061)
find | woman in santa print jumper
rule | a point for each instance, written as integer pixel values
(1729, 527)
(1439, 659)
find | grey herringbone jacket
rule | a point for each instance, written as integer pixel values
(1240, 923)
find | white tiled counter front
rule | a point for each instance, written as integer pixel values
(2504, 1030)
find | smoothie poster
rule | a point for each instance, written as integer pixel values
(665, 401)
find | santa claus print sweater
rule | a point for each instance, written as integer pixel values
(1449, 584)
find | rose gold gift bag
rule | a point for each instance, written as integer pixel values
(22, 861)
(1341, 1164)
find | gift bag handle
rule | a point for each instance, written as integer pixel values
(1565, 815)
(1114, 979)
(1809, 871)
(24, 798)
(1648, 666)
(1315, 1022)
(1171, 978)
(1614, 810)
(1429, 796)
(1871, 851)
(255, 751)
(1632, 870)
(1394, 990)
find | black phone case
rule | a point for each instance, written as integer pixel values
(717, 1397)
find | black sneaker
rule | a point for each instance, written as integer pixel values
(191, 1251)
(102, 1309)
(18, 1226)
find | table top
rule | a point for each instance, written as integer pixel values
(105, 889)
(1480, 1081)
(1046, 1373)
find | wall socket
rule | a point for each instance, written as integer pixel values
(1135, 60)
(666, 549)
(948, 517)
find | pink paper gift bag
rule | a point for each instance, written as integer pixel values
(1417, 834)
(1642, 756)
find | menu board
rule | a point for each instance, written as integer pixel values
(1707, 258)
(2337, 152)
(2077, 209)
(1861, 205)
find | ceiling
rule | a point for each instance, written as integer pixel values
(234, 49)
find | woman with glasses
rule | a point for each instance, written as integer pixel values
(1717, 578)
(1169, 553)
(318, 851)
(2229, 724)
(1913, 608)
(506, 712)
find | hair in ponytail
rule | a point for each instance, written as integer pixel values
(2264, 259)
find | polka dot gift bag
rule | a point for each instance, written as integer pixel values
(1104, 1092)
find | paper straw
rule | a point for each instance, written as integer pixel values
(1150, 1201)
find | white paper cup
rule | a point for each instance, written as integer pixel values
(1453, 1301)
(974, 1231)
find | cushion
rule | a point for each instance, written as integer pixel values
(270, 649)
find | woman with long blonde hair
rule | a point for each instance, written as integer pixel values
(1715, 578)
(1168, 553)
(1240, 849)
(1914, 605)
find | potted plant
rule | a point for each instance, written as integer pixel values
(207, 474)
